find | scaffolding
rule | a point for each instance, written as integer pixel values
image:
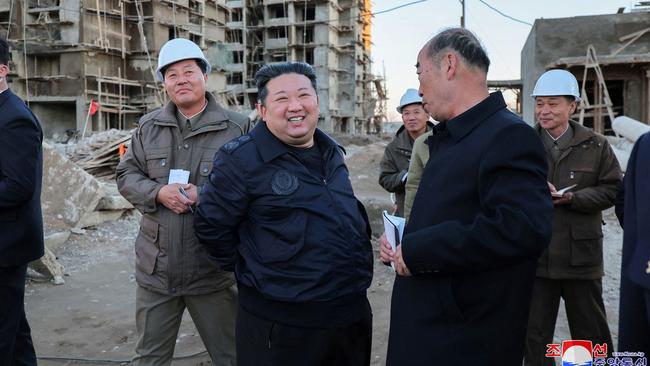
(69, 52)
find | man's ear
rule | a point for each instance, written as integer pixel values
(261, 110)
(4, 70)
(451, 64)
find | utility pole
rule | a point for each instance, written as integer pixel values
(462, 17)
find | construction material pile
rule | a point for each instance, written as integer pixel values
(99, 153)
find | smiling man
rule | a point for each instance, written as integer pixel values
(397, 156)
(279, 210)
(572, 266)
(172, 148)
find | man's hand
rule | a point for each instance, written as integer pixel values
(171, 197)
(387, 256)
(551, 187)
(192, 192)
(400, 266)
(564, 200)
(385, 251)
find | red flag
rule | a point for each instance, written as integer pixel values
(94, 107)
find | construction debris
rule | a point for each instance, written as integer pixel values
(98, 154)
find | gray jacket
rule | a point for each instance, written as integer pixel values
(169, 258)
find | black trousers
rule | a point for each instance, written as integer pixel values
(583, 300)
(265, 343)
(634, 318)
(16, 347)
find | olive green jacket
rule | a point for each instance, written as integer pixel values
(169, 258)
(576, 248)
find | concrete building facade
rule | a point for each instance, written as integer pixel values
(331, 35)
(562, 43)
(69, 52)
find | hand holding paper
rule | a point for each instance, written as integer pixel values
(562, 191)
(393, 230)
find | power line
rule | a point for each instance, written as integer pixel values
(504, 15)
(398, 7)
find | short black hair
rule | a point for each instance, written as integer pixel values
(199, 62)
(462, 41)
(4, 52)
(271, 71)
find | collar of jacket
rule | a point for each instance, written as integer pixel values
(464, 123)
(581, 134)
(212, 118)
(271, 147)
(403, 139)
(4, 96)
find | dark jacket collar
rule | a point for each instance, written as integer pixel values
(5, 95)
(271, 147)
(213, 113)
(464, 123)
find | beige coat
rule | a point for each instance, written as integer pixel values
(169, 258)
(419, 158)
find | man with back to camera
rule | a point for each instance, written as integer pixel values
(170, 156)
(572, 266)
(21, 220)
(633, 212)
(279, 211)
(466, 266)
(395, 163)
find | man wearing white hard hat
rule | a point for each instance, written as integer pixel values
(395, 163)
(583, 179)
(169, 160)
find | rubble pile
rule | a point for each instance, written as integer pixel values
(79, 191)
(98, 154)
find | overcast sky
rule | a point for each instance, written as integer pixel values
(398, 35)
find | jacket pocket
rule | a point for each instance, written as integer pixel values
(583, 176)
(280, 239)
(158, 165)
(146, 246)
(586, 247)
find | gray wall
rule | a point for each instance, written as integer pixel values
(552, 39)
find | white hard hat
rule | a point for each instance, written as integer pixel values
(556, 83)
(411, 96)
(179, 49)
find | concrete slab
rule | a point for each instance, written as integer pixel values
(69, 193)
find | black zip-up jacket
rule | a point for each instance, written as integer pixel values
(295, 240)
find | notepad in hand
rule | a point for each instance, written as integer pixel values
(394, 229)
(562, 191)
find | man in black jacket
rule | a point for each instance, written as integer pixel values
(633, 212)
(21, 221)
(467, 261)
(279, 210)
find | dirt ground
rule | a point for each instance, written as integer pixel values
(90, 319)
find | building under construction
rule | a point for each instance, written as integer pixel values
(609, 55)
(334, 36)
(69, 52)
(66, 53)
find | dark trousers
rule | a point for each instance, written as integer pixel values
(16, 346)
(265, 343)
(585, 310)
(634, 318)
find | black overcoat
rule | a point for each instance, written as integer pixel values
(481, 217)
(21, 167)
